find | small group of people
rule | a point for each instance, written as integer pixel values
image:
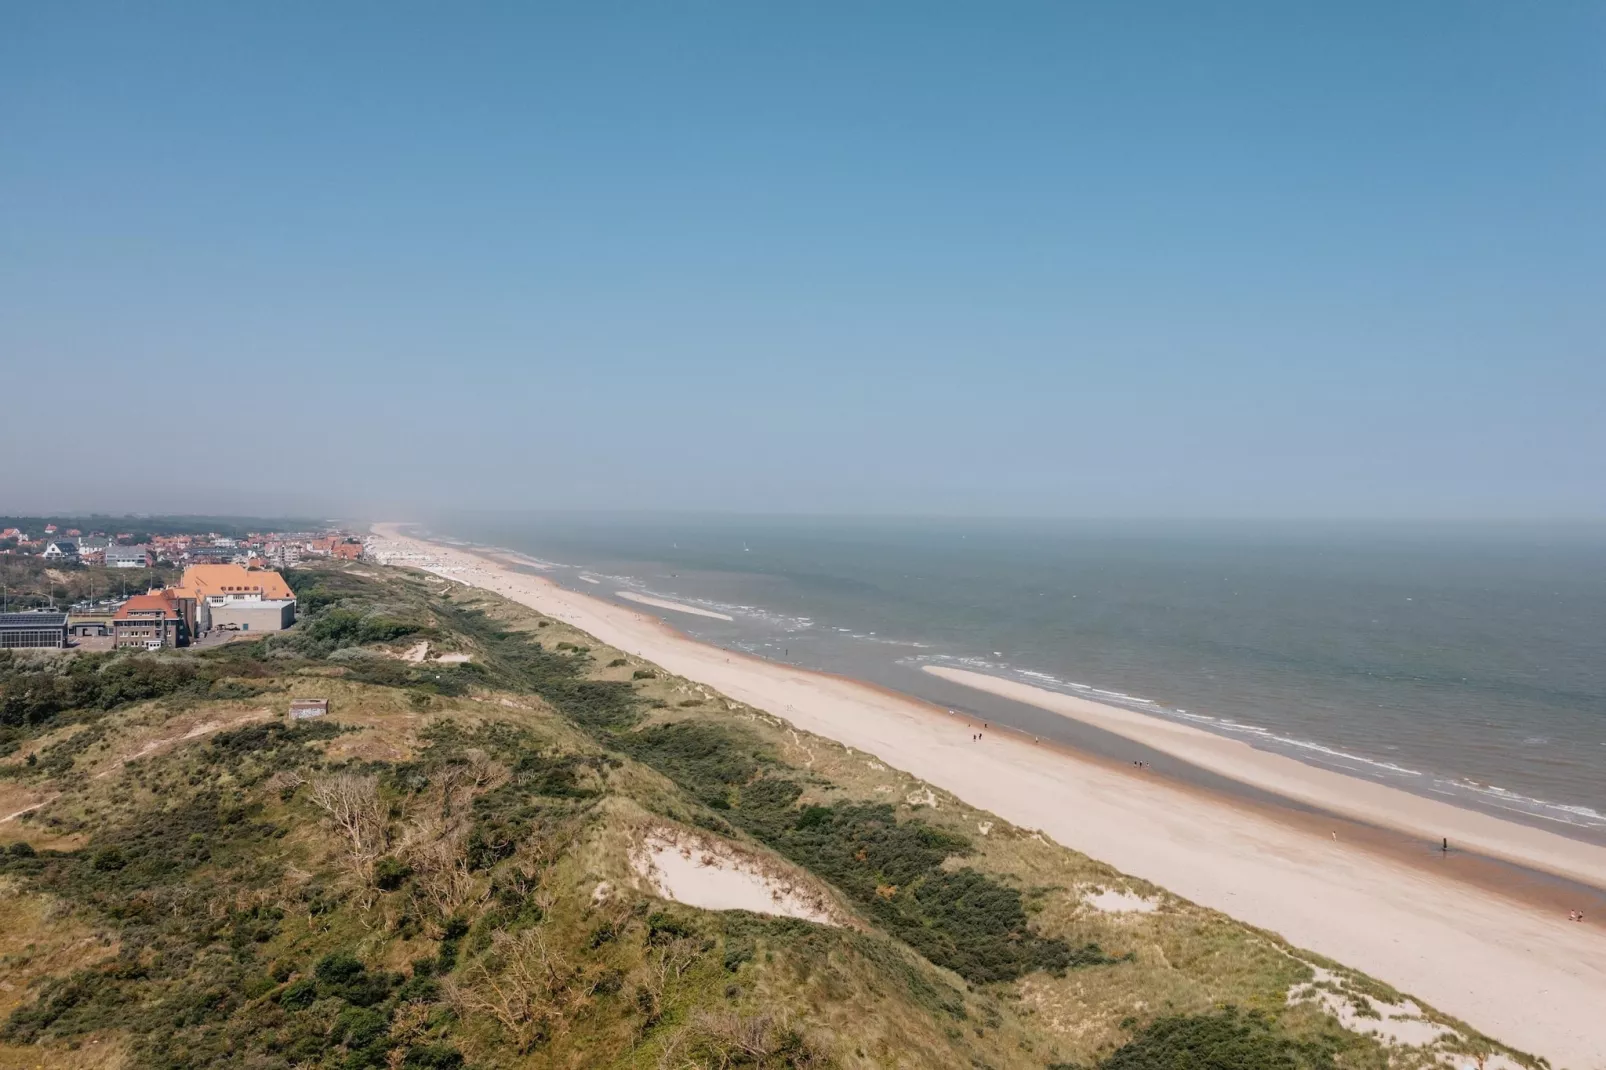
(1140, 765)
(1575, 915)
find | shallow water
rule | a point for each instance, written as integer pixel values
(1462, 662)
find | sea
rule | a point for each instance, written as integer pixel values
(1465, 662)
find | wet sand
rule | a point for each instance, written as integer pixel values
(1362, 800)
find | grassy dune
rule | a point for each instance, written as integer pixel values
(445, 873)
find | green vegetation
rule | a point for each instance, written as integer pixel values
(31, 582)
(963, 920)
(234, 527)
(36, 692)
(1225, 1041)
(442, 873)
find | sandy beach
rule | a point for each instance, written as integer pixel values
(1363, 800)
(1530, 978)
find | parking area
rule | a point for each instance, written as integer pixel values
(221, 637)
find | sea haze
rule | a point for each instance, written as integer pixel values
(1458, 661)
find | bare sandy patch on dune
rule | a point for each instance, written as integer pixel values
(664, 603)
(713, 874)
(205, 728)
(1395, 1024)
(419, 653)
(1111, 901)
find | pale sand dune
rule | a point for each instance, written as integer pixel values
(1364, 800)
(664, 603)
(1532, 980)
(707, 872)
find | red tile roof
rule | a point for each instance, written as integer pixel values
(146, 603)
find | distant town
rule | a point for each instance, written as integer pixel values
(150, 582)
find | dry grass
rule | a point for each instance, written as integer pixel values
(1184, 958)
(107, 1052)
(40, 937)
(865, 999)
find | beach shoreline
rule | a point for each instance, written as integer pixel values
(1506, 962)
(1372, 803)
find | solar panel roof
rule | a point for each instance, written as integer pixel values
(32, 620)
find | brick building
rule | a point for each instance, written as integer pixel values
(151, 621)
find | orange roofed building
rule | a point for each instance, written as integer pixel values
(342, 547)
(234, 598)
(149, 621)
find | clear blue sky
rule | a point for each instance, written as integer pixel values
(1184, 259)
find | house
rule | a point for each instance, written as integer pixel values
(236, 598)
(281, 554)
(170, 546)
(36, 630)
(61, 551)
(92, 549)
(50, 529)
(128, 556)
(211, 555)
(73, 533)
(150, 621)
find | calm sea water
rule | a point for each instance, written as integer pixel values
(1467, 662)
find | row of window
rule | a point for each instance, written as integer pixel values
(46, 638)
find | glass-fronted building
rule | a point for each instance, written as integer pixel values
(37, 630)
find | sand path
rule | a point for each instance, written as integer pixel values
(1532, 980)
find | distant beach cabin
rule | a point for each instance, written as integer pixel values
(303, 709)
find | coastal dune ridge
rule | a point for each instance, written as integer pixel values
(1528, 977)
